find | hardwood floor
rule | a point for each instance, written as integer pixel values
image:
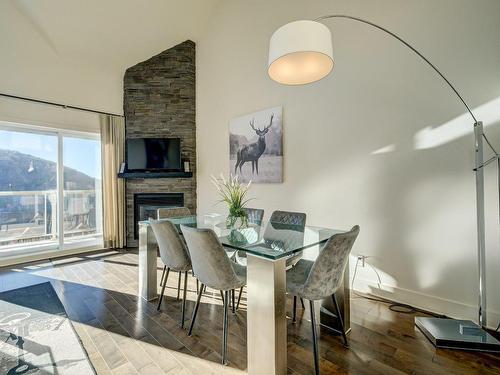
(125, 335)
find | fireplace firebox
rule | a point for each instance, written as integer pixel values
(147, 204)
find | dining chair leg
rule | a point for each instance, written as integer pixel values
(239, 298)
(197, 286)
(232, 301)
(314, 338)
(184, 298)
(224, 328)
(195, 310)
(163, 290)
(222, 296)
(163, 275)
(339, 315)
(302, 303)
(179, 286)
(294, 314)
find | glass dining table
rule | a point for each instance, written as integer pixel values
(267, 247)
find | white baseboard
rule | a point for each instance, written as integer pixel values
(437, 305)
(43, 255)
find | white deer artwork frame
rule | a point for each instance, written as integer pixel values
(256, 146)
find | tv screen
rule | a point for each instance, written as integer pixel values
(154, 154)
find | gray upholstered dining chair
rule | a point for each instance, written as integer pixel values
(295, 219)
(173, 254)
(286, 226)
(214, 269)
(288, 217)
(164, 213)
(275, 233)
(282, 226)
(321, 279)
(255, 215)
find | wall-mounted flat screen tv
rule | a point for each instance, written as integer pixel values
(154, 154)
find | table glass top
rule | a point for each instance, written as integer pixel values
(270, 239)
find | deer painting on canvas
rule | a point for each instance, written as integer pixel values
(255, 145)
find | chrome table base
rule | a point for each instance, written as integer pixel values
(266, 316)
(147, 263)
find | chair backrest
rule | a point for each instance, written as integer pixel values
(284, 226)
(254, 215)
(173, 251)
(211, 264)
(287, 217)
(166, 212)
(326, 274)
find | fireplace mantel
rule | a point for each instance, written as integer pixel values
(135, 175)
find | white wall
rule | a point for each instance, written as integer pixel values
(415, 202)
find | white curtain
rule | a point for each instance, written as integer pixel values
(113, 188)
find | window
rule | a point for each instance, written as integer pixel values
(48, 178)
(82, 189)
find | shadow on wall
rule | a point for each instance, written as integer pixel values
(488, 113)
(435, 204)
(422, 191)
(460, 126)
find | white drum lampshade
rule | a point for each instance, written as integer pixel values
(300, 52)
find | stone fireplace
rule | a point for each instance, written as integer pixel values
(159, 102)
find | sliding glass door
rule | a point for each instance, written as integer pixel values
(28, 190)
(82, 190)
(50, 190)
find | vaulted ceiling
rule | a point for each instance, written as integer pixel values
(76, 51)
(112, 33)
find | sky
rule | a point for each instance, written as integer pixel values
(81, 154)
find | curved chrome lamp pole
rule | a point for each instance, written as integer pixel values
(479, 165)
(299, 53)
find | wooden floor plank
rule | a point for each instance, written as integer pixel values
(124, 334)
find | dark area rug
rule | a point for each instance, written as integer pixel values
(36, 336)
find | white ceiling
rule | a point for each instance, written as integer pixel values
(114, 34)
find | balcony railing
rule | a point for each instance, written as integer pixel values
(28, 217)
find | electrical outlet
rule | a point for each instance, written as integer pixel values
(362, 258)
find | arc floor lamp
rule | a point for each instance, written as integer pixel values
(300, 52)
